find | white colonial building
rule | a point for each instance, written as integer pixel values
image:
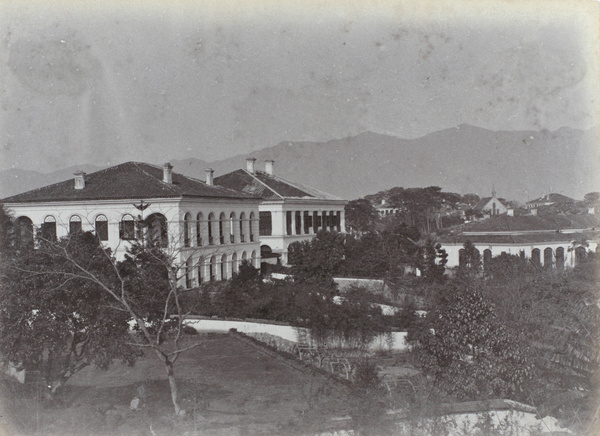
(545, 248)
(209, 229)
(289, 211)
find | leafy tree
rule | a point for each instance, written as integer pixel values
(143, 288)
(236, 298)
(317, 260)
(361, 216)
(365, 256)
(60, 323)
(431, 260)
(561, 327)
(592, 197)
(470, 354)
(422, 207)
(400, 243)
(470, 265)
(470, 199)
(6, 229)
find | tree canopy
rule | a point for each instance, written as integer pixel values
(60, 323)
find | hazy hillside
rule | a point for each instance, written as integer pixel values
(521, 165)
(14, 181)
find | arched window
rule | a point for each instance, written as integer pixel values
(189, 273)
(102, 227)
(560, 258)
(224, 267)
(200, 268)
(211, 219)
(199, 225)
(548, 257)
(157, 230)
(74, 224)
(253, 259)
(48, 230)
(127, 228)
(244, 257)
(222, 228)
(213, 268)
(24, 232)
(251, 226)
(234, 264)
(232, 227)
(187, 230)
(242, 233)
(535, 257)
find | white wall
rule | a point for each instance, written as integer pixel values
(284, 331)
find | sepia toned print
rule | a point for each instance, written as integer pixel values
(299, 217)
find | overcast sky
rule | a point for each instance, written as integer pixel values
(106, 82)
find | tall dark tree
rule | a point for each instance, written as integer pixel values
(470, 265)
(431, 260)
(56, 322)
(365, 256)
(361, 216)
(6, 229)
(468, 352)
(143, 289)
(400, 243)
(317, 260)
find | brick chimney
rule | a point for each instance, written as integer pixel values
(269, 166)
(79, 179)
(250, 164)
(209, 176)
(168, 173)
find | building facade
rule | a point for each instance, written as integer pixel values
(208, 229)
(288, 211)
(547, 249)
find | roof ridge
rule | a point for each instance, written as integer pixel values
(307, 189)
(169, 186)
(263, 183)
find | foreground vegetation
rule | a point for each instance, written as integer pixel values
(509, 330)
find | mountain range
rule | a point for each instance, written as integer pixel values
(519, 165)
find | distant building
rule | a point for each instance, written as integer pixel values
(492, 205)
(211, 229)
(288, 211)
(549, 200)
(531, 237)
(385, 209)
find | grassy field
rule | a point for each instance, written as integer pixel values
(227, 388)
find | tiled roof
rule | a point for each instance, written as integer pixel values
(268, 187)
(481, 203)
(553, 222)
(533, 238)
(128, 180)
(552, 198)
(526, 229)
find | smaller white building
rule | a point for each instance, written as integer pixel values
(491, 205)
(545, 248)
(289, 211)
